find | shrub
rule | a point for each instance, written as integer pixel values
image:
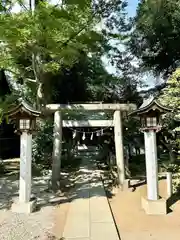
(43, 147)
(43, 143)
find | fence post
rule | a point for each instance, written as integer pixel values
(169, 184)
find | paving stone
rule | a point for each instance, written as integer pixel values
(77, 227)
(89, 216)
(103, 231)
(77, 238)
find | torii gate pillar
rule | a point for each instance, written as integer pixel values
(118, 138)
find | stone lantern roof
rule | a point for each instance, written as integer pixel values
(22, 108)
(151, 104)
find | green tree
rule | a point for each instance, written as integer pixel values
(35, 44)
(156, 35)
(88, 80)
(171, 93)
(47, 41)
(170, 97)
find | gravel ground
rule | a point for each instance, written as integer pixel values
(49, 221)
(38, 225)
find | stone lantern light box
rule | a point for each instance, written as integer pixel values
(150, 114)
(24, 116)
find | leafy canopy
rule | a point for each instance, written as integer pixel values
(51, 32)
(34, 44)
(170, 97)
(156, 36)
(171, 94)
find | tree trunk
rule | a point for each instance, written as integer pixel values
(171, 155)
(40, 96)
(170, 151)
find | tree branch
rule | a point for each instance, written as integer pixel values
(11, 71)
(30, 80)
(23, 6)
(80, 30)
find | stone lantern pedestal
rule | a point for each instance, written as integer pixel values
(24, 204)
(152, 203)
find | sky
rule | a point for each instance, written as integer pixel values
(131, 10)
(132, 5)
(148, 78)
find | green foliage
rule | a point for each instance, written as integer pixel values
(48, 33)
(52, 37)
(131, 128)
(6, 5)
(175, 170)
(32, 45)
(42, 143)
(156, 35)
(170, 95)
(43, 146)
(88, 80)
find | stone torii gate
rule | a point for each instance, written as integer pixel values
(25, 116)
(116, 123)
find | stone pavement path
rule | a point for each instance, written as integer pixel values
(89, 216)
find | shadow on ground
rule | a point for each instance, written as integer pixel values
(172, 201)
(75, 180)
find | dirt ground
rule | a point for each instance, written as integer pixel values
(60, 219)
(134, 224)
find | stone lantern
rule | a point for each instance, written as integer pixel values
(24, 117)
(150, 113)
